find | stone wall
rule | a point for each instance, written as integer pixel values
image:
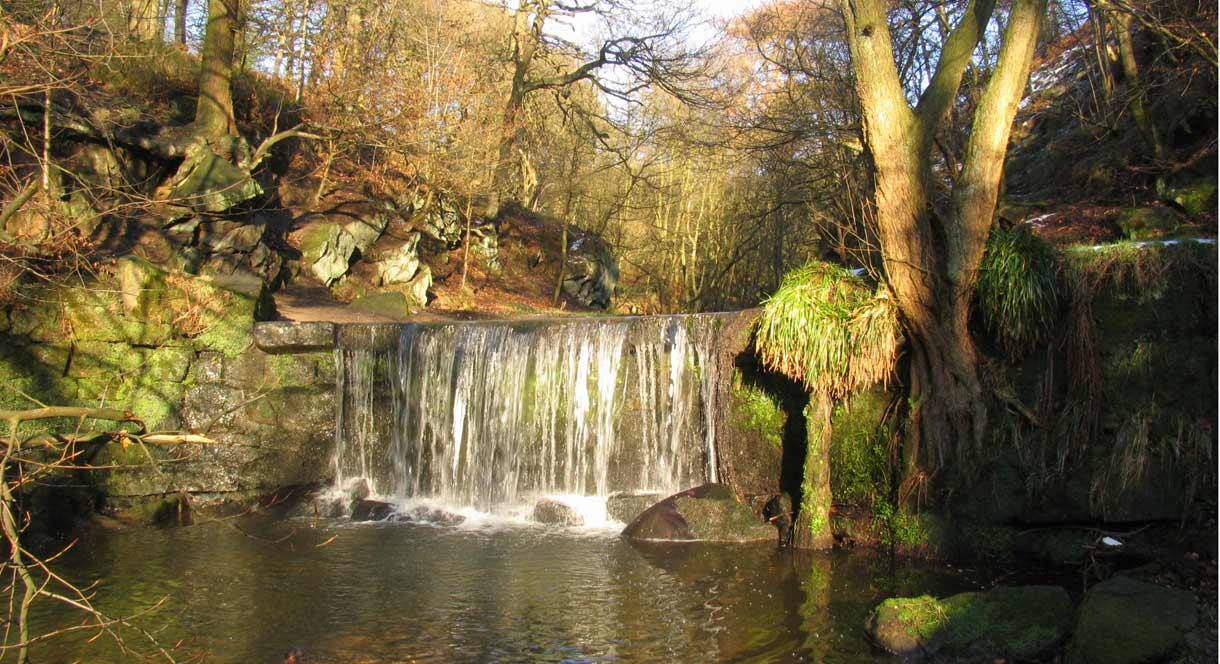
(182, 353)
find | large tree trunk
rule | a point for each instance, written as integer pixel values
(214, 109)
(813, 517)
(931, 260)
(528, 21)
(180, 9)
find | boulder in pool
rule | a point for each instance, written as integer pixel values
(1015, 623)
(370, 510)
(707, 513)
(430, 515)
(626, 506)
(554, 513)
(1125, 621)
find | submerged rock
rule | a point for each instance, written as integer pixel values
(432, 515)
(554, 513)
(1005, 622)
(1127, 621)
(370, 510)
(709, 513)
(626, 507)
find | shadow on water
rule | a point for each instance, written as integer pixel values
(513, 594)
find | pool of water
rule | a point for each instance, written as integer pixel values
(247, 591)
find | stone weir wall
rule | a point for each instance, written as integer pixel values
(376, 400)
(191, 353)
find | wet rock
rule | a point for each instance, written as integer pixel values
(709, 512)
(370, 510)
(1019, 623)
(293, 337)
(592, 272)
(554, 513)
(399, 265)
(432, 515)
(1125, 621)
(358, 489)
(626, 507)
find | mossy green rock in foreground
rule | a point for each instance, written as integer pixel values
(1005, 622)
(1124, 621)
(707, 513)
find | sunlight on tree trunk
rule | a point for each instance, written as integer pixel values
(931, 257)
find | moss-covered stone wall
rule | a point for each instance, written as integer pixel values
(177, 351)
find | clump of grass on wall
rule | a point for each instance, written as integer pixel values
(1016, 292)
(828, 329)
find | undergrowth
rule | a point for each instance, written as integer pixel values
(1017, 293)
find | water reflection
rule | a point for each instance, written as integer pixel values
(414, 593)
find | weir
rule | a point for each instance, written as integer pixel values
(493, 414)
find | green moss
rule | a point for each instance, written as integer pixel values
(756, 410)
(859, 448)
(1013, 622)
(1123, 621)
(1148, 223)
(1196, 196)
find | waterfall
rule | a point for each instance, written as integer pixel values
(490, 414)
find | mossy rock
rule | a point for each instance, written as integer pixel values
(708, 513)
(327, 249)
(1020, 622)
(213, 184)
(1124, 621)
(1149, 223)
(1195, 196)
(392, 305)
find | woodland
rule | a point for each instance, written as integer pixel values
(975, 241)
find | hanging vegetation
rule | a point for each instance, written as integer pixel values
(1016, 292)
(826, 328)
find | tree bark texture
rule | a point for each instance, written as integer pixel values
(214, 109)
(813, 529)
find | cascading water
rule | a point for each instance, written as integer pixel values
(492, 414)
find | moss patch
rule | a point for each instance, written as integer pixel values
(859, 448)
(1011, 622)
(1127, 621)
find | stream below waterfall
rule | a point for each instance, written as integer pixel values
(248, 590)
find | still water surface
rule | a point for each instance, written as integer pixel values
(418, 593)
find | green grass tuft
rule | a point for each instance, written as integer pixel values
(826, 328)
(1017, 292)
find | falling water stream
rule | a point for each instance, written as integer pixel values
(490, 415)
